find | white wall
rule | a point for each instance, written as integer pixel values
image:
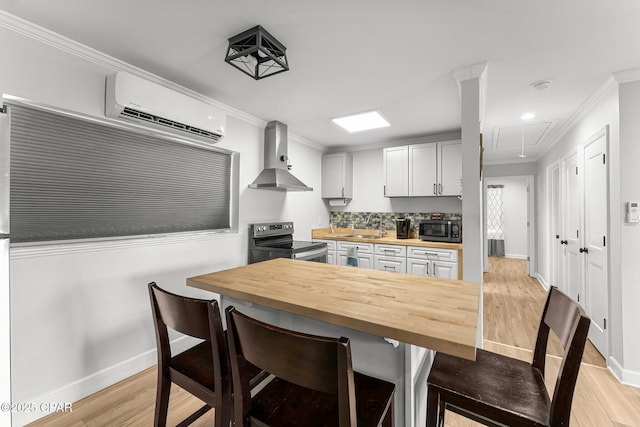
(368, 183)
(628, 297)
(80, 316)
(617, 108)
(515, 215)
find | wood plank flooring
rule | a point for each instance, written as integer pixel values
(512, 306)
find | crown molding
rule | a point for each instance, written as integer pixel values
(422, 139)
(627, 76)
(304, 141)
(594, 99)
(65, 44)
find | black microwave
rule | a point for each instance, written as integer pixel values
(440, 230)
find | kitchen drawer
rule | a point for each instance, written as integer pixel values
(363, 248)
(394, 264)
(438, 254)
(390, 250)
(364, 260)
(331, 244)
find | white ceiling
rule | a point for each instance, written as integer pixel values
(357, 55)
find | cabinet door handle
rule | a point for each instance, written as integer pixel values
(390, 267)
(426, 253)
(342, 191)
(435, 191)
(439, 188)
(563, 242)
(585, 250)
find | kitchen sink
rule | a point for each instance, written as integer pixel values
(356, 236)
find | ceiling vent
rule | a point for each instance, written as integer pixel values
(135, 99)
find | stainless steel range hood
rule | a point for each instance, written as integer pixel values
(276, 175)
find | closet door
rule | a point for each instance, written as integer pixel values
(595, 239)
(572, 226)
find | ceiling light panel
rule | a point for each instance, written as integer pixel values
(361, 121)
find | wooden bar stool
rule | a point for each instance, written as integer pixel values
(313, 381)
(202, 370)
(497, 390)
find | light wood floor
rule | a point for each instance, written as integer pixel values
(512, 306)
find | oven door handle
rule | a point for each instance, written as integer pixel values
(311, 254)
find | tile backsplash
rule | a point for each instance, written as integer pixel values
(359, 219)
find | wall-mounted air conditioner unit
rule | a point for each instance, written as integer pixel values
(133, 98)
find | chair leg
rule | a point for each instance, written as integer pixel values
(390, 417)
(432, 407)
(442, 407)
(163, 388)
(223, 412)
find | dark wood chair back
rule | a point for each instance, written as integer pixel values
(318, 363)
(497, 390)
(202, 370)
(570, 324)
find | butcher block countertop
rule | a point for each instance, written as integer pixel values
(388, 239)
(438, 314)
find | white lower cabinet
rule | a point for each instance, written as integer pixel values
(433, 262)
(364, 253)
(390, 258)
(422, 261)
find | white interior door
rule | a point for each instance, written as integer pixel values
(570, 237)
(595, 237)
(555, 228)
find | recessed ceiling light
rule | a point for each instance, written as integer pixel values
(527, 116)
(541, 84)
(361, 121)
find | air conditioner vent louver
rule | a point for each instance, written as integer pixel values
(140, 115)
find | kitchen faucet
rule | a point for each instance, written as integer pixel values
(379, 217)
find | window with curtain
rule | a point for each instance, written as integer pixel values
(74, 178)
(495, 220)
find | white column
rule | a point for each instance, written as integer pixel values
(471, 83)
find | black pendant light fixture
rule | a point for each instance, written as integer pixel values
(257, 53)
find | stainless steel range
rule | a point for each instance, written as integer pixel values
(275, 240)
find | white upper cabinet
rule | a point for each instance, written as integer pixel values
(337, 176)
(422, 170)
(431, 169)
(395, 166)
(450, 168)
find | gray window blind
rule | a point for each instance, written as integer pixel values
(73, 179)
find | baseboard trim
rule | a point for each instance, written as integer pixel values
(625, 376)
(542, 282)
(515, 256)
(93, 383)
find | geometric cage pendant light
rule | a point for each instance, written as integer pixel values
(257, 53)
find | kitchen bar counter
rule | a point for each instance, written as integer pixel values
(433, 313)
(392, 320)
